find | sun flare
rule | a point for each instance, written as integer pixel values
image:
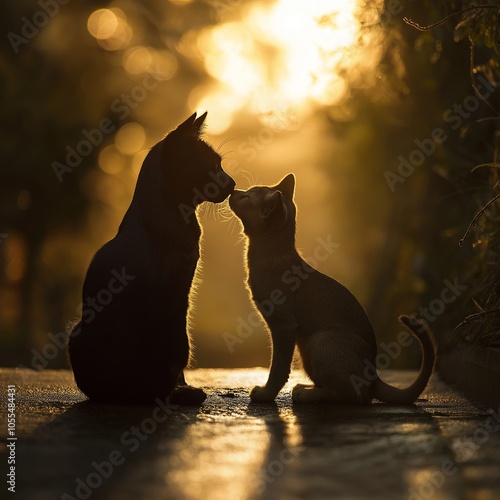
(287, 55)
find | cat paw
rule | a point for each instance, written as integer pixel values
(262, 395)
(301, 386)
(301, 393)
(312, 394)
(187, 396)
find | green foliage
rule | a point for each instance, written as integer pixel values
(477, 31)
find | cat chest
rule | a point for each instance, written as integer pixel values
(175, 269)
(267, 292)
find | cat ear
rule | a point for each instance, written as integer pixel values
(271, 204)
(287, 186)
(187, 125)
(198, 124)
(193, 126)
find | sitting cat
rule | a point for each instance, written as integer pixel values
(131, 344)
(334, 336)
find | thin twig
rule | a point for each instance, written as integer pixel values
(473, 79)
(477, 216)
(474, 316)
(492, 165)
(430, 26)
(487, 119)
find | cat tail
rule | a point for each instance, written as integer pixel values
(393, 395)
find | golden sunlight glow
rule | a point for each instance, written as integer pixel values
(139, 60)
(224, 464)
(102, 24)
(138, 160)
(110, 28)
(130, 138)
(287, 55)
(110, 160)
(422, 480)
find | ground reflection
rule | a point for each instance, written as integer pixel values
(237, 449)
(218, 459)
(241, 450)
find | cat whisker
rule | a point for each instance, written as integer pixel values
(227, 216)
(223, 143)
(249, 178)
(226, 153)
(220, 211)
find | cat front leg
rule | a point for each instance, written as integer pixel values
(283, 346)
(186, 395)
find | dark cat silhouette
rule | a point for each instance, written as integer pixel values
(131, 344)
(312, 311)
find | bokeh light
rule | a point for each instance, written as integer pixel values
(110, 160)
(110, 28)
(282, 55)
(139, 60)
(130, 138)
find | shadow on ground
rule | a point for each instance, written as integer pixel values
(229, 448)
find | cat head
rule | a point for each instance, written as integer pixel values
(196, 169)
(185, 169)
(264, 209)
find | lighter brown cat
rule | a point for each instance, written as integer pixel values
(314, 312)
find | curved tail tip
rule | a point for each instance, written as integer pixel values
(412, 321)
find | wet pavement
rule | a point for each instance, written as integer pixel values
(444, 447)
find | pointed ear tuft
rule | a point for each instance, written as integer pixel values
(193, 126)
(187, 125)
(199, 125)
(287, 186)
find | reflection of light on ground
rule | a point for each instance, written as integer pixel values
(219, 464)
(288, 54)
(228, 453)
(427, 483)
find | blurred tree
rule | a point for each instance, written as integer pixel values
(64, 96)
(432, 118)
(442, 82)
(43, 111)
